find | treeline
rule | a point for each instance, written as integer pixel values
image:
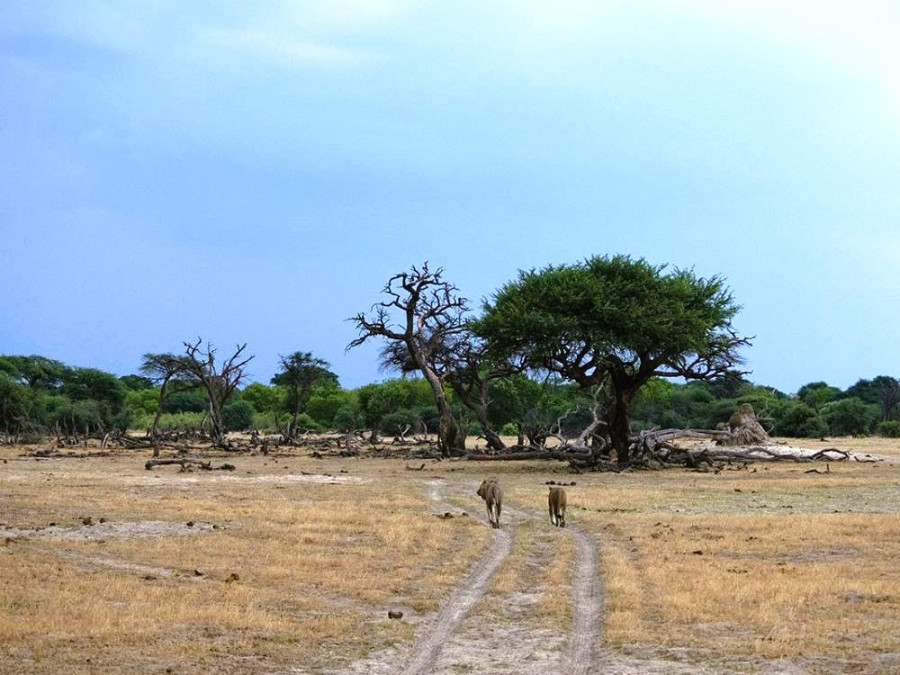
(40, 397)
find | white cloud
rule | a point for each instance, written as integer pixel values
(340, 16)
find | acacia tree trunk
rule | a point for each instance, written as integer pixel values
(619, 426)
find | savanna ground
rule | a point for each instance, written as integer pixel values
(290, 564)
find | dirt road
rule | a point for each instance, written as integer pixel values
(443, 645)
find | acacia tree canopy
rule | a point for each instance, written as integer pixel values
(618, 322)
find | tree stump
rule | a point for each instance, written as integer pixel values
(744, 428)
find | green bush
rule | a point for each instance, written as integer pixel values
(850, 417)
(307, 423)
(509, 429)
(141, 421)
(394, 423)
(185, 421)
(801, 421)
(185, 401)
(347, 418)
(237, 416)
(889, 429)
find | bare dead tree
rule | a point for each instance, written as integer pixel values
(219, 381)
(421, 315)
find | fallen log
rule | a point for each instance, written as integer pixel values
(536, 454)
(185, 462)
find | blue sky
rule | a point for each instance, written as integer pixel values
(254, 172)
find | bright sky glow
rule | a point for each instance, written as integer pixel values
(254, 172)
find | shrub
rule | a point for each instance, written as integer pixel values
(509, 429)
(850, 416)
(237, 416)
(889, 429)
(347, 418)
(185, 401)
(801, 421)
(265, 422)
(186, 421)
(394, 423)
(307, 423)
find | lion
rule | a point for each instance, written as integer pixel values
(492, 495)
(557, 499)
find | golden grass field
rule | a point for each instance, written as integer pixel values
(291, 563)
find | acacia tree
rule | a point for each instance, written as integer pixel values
(420, 317)
(38, 372)
(300, 371)
(218, 381)
(617, 322)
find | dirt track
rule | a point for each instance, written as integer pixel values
(507, 647)
(431, 638)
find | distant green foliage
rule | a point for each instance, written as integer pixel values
(182, 421)
(509, 429)
(325, 403)
(818, 394)
(237, 415)
(890, 429)
(307, 423)
(264, 399)
(850, 417)
(39, 395)
(513, 400)
(185, 401)
(142, 401)
(800, 421)
(397, 422)
(347, 418)
(14, 406)
(36, 372)
(883, 391)
(136, 382)
(379, 400)
(300, 373)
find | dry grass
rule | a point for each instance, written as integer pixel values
(775, 563)
(766, 562)
(317, 567)
(534, 583)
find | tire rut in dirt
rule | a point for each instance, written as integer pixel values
(586, 654)
(425, 650)
(586, 646)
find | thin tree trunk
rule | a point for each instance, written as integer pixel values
(154, 430)
(480, 407)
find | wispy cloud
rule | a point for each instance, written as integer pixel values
(281, 50)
